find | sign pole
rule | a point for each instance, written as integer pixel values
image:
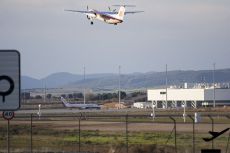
(8, 136)
(31, 133)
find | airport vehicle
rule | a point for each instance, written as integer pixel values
(111, 17)
(79, 106)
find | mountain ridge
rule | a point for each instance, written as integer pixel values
(132, 80)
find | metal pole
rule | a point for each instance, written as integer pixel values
(166, 86)
(214, 90)
(84, 86)
(227, 143)
(126, 130)
(174, 121)
(31, 133)
(79, 133)
(8, 136)
(119, 87)
(45, 90)
(153, 114)
(193, 133)
(184, 115)
(228, 137)
(212, 129)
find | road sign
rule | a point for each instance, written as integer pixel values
(9, 80)
(8, 115)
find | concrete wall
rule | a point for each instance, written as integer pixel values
(176, 95)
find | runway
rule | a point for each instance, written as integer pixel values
(71, 111)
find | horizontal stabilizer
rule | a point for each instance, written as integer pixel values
(125, 5)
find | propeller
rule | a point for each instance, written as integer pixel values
(112, 10)
(87, 7)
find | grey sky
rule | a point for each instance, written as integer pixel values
(185, 34)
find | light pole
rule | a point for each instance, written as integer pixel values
(214, 86)
(153, 113)
(45, 90)
(184, 114)
(39, 111)
(84, 83)
(119, 87)
(166, 86)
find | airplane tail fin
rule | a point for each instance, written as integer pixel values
(121, 13)
(65, 103)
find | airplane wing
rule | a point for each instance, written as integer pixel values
(80, 11)
(207, 139)
(133, 12)
(214, 133)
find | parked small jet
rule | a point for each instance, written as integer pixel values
(215, 135)
(111, 17)
(80, 106)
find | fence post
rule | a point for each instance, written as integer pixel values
(126, 130)
(193, 133)
(212, 129)
(31, 133)
(228, 137)
(79, 133)
(174, 121)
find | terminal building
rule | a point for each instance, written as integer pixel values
(185, 97)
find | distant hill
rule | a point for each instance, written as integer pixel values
(129, 81)
(29, 83)
(56, 80)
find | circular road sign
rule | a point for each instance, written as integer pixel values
(8, 115)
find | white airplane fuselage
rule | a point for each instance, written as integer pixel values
(107, 18)
(103, 18)
(113, 20)
(79, 106)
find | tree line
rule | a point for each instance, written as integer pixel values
(80, 96)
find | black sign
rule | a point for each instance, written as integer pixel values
(11, 88)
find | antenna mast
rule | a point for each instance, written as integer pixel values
(119, 87)
(214, 86)
(84, 83)
(166, 86)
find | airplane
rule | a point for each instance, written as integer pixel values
(79, 106)
(215, 135)
(111, 17)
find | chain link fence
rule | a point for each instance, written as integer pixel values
(82, 132)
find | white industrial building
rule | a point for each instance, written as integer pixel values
(174, 97)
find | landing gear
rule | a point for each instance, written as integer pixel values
(91, 22)
(115, 23)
